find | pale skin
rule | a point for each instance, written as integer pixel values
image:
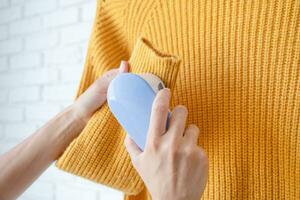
(180, 168)
(172, 165)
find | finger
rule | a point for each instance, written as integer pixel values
(159, 114)
(96, 94)
(191, 134)
(123, 67)
(107, 77)
(132, 148)
(103, 82)
(177, 122)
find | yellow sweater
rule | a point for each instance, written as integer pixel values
(236, 68)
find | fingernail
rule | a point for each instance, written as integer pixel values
(122, 66)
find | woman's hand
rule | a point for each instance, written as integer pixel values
(172, 165)
(94, 97)
(24, 163)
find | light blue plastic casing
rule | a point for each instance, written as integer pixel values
(130, 99)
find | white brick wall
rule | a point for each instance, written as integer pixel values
(42, 50)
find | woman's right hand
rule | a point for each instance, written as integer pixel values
(172, 165)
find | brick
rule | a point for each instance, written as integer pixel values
(10, 46)
(88, 12)
(59, 92)
(25, 60)
(24, 94)
(61, 17)
(42, 40)
(11, 114)
(3, 64)
(17, 2)
(3, 32)
(10, 14)
(25, 26)
(63, 55)
(69, 2)
(28, 77)
(4, 3)
(3, 96)
(65, 191)
(71, 74)
(1, 131)
(33, 7)
(43, 47)
(41, 111)
(76, 33)
(19, 131)
(8, 80)
(40, 76)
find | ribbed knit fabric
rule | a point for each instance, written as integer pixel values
(239, 77)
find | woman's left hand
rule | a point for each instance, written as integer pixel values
(95, 96)
(24, 163)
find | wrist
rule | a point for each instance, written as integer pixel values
(63, 129)
(80, 112)
(77, 115)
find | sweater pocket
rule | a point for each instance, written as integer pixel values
(98, 153)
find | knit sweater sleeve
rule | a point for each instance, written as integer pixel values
(98, 153)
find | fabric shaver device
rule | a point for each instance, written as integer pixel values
(130, 97)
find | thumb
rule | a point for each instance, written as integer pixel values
(123, 67)
(109, 75)
(132, 148)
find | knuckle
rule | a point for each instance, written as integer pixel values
(193, 128)
(154, 145)
(192, 153)
(174, 151)
(160, 107)
(182, 109)
(203, 156)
